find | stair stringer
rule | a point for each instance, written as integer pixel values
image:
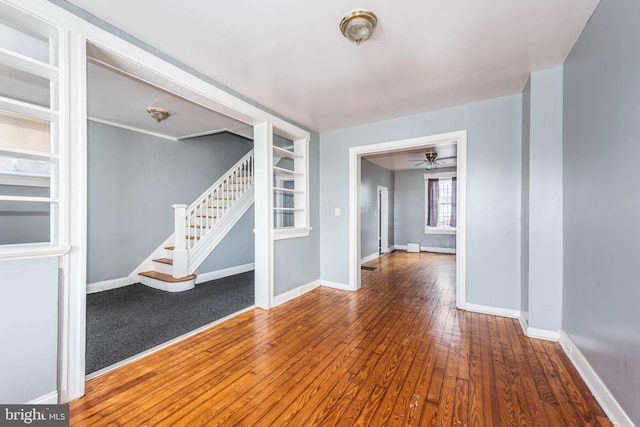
(213, 237)
(147, 264)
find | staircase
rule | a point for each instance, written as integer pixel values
(199, 228)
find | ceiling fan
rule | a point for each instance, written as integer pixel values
(431, 160)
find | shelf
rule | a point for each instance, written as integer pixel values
(27, 109)
(32, 250)
(288, 190)
(282, 171)
(288, 209)
(286, 153)
(27, 199)
(28, 65)
(27, 154)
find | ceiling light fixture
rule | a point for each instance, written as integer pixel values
(358, 25)
(158, 114)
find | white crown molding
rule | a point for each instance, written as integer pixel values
(131, 128)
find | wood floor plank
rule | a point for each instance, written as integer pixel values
(395, 353)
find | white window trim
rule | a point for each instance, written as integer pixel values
(436, 230)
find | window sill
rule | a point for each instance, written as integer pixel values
(31, 250)
(439, 230)
(290, 232)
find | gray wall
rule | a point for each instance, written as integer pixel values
(132, 185)
(410, 212)
(24, 222)
(29, 328)
(602, 198)
(297, 261)
(493, 199)
(236, 248)
(524, 202)
(545, 200)
(372, 175)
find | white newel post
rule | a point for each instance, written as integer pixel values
(180, 256)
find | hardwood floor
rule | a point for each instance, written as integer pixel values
(395, 353)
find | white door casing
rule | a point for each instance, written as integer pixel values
(355, 155)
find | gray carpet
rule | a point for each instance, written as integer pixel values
(126, 321)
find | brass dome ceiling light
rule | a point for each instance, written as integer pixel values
(158, 114)
(358, 25)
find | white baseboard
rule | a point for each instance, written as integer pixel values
(294, 293)
(47, 399)
(524, 323)
(542, 334)
(369, 257)
(437, 250)
(496, 311)
(335, 285)
(428, 249)
(225, 272)
(106, 285)
(202, 277)
(607, 401)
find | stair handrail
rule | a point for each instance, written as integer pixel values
(186, 237)
(220, 180)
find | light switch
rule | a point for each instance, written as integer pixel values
(337, 211)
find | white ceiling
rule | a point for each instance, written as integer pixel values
(119, 99)
(414, 159)
(289, 55)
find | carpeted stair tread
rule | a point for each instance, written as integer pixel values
(166, 277)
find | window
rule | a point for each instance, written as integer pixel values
(440, 203)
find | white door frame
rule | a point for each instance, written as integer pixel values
(71, 351)
(383, 218)
(355, 155)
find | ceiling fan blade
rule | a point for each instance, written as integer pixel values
(420, 162)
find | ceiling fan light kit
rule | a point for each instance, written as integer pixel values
(431, 161)
(358, 25)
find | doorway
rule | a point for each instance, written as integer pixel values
(355, 157)
(135, 167)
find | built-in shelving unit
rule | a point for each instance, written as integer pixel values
(29, 100)
(290, 193)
